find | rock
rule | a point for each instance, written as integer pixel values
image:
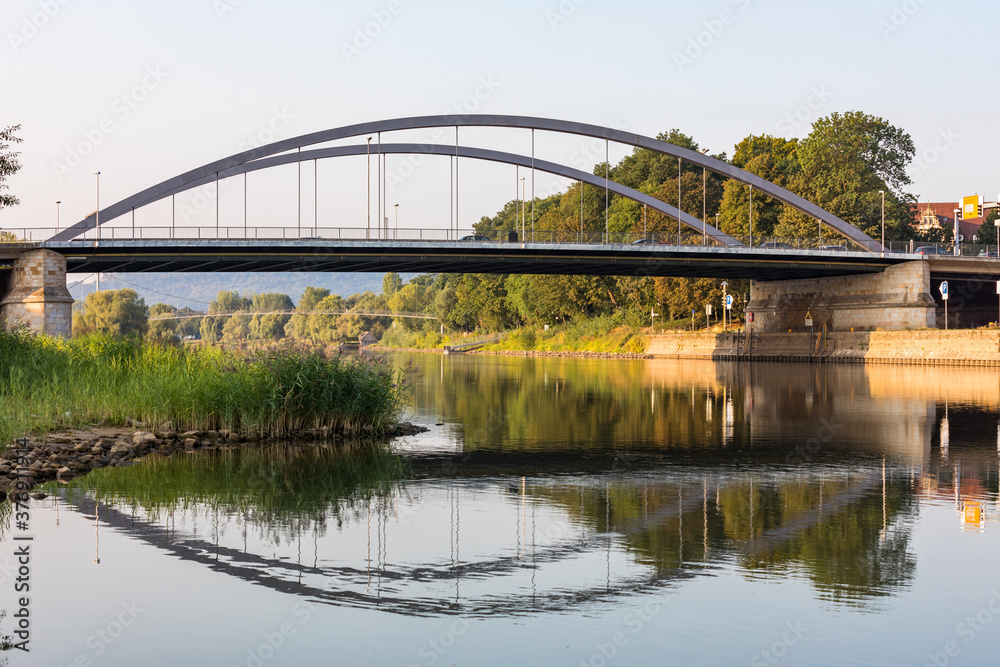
(131, 422)
(142, 436)
(82, 447)
(40, 496)
(65, 473)
(224, 433)
(166, 426)
(190, 443)
(4, 469)
(120, 450)
(191, 434)
(97, 462)
(59, 439)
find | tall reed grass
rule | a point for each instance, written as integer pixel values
(47, 383)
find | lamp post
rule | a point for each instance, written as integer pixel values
(97, 214)
(396, 234)
(57, 216)
(368, 199)
(882, 192)
(704, 198)
(523, 214)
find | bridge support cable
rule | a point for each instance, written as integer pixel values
(480, 154)
(184, 181)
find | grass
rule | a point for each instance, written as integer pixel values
(46, 384)
(606, 334)
(269, 483)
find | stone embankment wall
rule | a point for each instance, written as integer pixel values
(931, 346)
(897, 298)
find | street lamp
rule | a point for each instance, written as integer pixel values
(704, 198)
(882, 192)
(368, 200)
(97, 214)
(522, 210)
(396, 235)
(57, 216)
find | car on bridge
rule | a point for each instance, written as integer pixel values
(931, 250)
(989, 253)
(475, 238)
(834, 248)
(775, 245)
(647, 242)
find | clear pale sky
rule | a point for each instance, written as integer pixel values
(145, 90)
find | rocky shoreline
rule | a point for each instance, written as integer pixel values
(64, 455)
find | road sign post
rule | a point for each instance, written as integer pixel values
(729, 308)
(944, 297)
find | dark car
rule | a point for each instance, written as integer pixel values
(931, 250)
(646, 242)
(834, 248)
(478, 238)
(775, 245)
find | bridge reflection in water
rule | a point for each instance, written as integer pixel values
(644, 475)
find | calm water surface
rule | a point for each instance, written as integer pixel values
(559, 512)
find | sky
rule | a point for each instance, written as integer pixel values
(142, 91)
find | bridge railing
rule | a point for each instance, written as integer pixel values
(651, 239)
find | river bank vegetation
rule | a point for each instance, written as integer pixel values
(47, 383)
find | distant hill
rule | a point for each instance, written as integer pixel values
(196, 290)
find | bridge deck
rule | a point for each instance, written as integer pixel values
(465, 257)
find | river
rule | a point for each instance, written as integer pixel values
(558, 512)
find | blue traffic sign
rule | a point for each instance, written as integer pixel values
(944, 290)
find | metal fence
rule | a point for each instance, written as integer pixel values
(650, 240)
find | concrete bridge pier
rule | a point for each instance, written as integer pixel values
(33, 293)
(897, 298)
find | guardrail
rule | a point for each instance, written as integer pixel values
(651, 239)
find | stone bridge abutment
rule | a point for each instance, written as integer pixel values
(33, 293)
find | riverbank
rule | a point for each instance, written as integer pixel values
(72, 453)
(977, 347)
(48, 384)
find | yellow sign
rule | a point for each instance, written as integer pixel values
(973, 513)
(970, 207)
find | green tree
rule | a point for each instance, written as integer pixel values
(391, 282)
(163, 332)
(270, 326)
(119, 313)
(9, 164)
(771, 158)
(987, 234)
(225, 302)
(845, 161)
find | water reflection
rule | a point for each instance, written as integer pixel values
(511, 525)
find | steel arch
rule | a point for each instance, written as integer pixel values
(466, 152)
(213, 170)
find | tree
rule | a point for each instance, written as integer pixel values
(270, 327)
(163, 332)
(845, 161)
(987, 234)
(119, 313)
(771, 158)
(225, 302)
(9, 164)
(391, 282)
